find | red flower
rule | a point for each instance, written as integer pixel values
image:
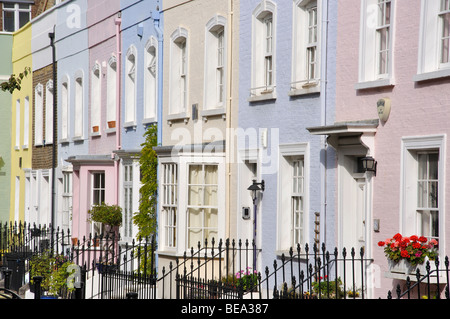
(397, 237)
(404, 254)
(381, 243)
(414, 238)
(416, 245)
(423, 239)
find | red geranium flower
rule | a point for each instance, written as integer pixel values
(423, 239)
(404, 254)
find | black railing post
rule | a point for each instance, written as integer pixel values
(37, 287)
(7, 273)
(132, 295)
(79, 290)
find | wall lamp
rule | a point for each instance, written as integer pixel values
(255, 187)
(369, 164)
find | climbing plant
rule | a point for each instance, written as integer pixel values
(145, 218)
(15, 82)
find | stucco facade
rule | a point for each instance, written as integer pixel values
(199, 112)
(416, 124)
(5, 127)
(20, 151)
(274, 137)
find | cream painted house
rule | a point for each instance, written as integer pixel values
(197, 167)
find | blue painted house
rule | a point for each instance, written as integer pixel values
(71, 43)
(286, 84)
(141, 68)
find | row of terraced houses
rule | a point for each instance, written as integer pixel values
(292, 93)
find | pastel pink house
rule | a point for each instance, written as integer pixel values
(392, 103)
(95, 177)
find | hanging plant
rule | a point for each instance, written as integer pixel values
(106, 214)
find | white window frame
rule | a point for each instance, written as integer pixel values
(178, 74)
(151, 80)
(111, 93)
(411, 146)
(97, 227)
(302, 81)
(202, 206)
(39, 115)
(263, 73)
(96, 99)
(169, 204)
(131, 78)
(67, 193)
(49, 113)
(16, 11)
(286, 228)
(368, 75)
(18, 128)
(429, 66)
(128, 179)
(215, 66)
(183, 161)
(26, 122)
(79, 108)
(65, 110)
(444, 34)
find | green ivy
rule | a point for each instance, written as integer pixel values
(145, 218)
(15, 82)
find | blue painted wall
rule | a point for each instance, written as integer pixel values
(140, 21)
(72, 55)
(288, 117)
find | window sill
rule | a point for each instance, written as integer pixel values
(110, 130)
(374, 84)
(307, 88)
(78, 139)
(149, 120)
(95, 134)
(64, 141)
(438, 74)
(213, 112)
(130, 125)
(177, 117)
(263, 96)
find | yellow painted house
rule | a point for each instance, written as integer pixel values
(21, 126)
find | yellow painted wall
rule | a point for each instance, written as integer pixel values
(21, 156)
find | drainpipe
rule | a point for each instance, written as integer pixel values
(228, 131)
(118, 22)
(156, 21)
(323, 97)
(51, 35)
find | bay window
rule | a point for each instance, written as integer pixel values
(202, 219)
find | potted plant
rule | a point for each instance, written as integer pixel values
(324, 289)
(108, 215)
(406, 253)
(247, 279)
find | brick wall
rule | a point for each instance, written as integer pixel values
(42, 155)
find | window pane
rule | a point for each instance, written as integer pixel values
(445, 38)
(24, 17)
(8, 21)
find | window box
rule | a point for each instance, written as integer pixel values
(111, 124)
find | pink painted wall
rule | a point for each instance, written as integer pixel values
(417, 109)
(82, 197)
(102, 45)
